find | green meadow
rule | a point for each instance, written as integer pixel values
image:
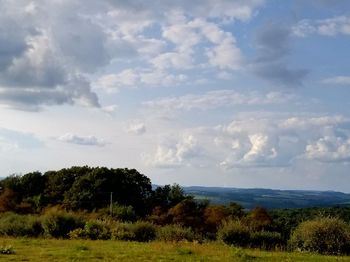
(27, 249)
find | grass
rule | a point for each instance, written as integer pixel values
(88, 250)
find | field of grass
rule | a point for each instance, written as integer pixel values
(88, 250)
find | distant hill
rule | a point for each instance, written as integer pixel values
(269, 198)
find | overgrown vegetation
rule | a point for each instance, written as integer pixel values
(76, 203)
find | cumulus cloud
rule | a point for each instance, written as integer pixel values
(339, 25)
(174, 153)
(217, 99)
(81, 140)
(273, 46)
(46, 47)
(278, 141)
(329, 149)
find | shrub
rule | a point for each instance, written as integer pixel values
(58, 223)
(7, 250)
(266, 240)
(122, 231)
(97, 229)
(12, 224)
(322, 235)
(175, 233)
(120, 213)
(234, 232)
(93, 229)
(144, 231)
(77, 233)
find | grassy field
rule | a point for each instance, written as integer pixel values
(87, 250)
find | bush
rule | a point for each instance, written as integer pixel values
(97, 229)
(144, 231)
(7, 250)
(77, 233)
(122, 231)
(175, 233)
(322, 235)
(58, 223)
(266, 240)
(12, 224)
(234, 232)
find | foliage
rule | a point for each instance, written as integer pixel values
(175, 233)
(144, 231)
(123, 231)
(97, 229)
(8, 200)
(7, 250)
(213, 217)
(58, 223)
(120, 213)
(165, 197)
(234, 232)
(266, 240)
(92, 190)
(322, 235)
(189, 213)
(259, 219)
(12, 224)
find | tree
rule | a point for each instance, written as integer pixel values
(259, 218)
(92, 190)
(165, 197)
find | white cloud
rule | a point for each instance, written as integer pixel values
(174, 153)
(217, 99)
(329, 149)
(136, 128)
(280, 140)
(226, 55)
(339, 25)
(81, 140)
(113, 82)
(110, 109)
(338, 80)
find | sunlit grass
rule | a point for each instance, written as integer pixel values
(88, 250)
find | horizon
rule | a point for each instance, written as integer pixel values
(226, 93)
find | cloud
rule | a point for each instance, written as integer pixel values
(174, 153)
(39, 69)
(137, 128)
(279, 140)
(329, 149)
(273, 46)
(338, 80)
(81, 140)
(110, 109)
(217, 99)
(339, 25)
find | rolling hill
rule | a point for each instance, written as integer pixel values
(269, 198)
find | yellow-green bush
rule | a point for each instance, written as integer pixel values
(322, 235)
(234, 232)
(175, 233)
(57, 223)
(12, 224)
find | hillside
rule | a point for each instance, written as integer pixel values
(269, 198)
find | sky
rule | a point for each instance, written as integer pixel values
(233, 93)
